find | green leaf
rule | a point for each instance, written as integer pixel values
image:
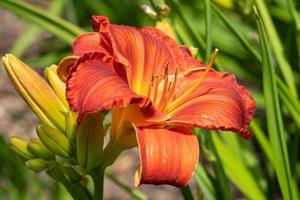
(237, 171)
(134, 193)
(205, 183)
(208, 32)
(275, 42)
(296, 21)
(221, 179)
(45, 19)
(32, 31)
(242, 38)
(274, 117)
(263, 141)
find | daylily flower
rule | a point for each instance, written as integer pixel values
(157, 92)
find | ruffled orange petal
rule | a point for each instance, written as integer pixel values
(87, 43)
(167, 156)
(218, 103)
(93, 85)
(143, 52)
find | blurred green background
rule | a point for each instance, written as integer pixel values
(262, 50)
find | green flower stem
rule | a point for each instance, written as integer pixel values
(98, 179)
(76, 191)
(187, 193)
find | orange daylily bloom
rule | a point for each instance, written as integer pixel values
(156, 90)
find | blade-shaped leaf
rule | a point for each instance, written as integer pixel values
(45, 19)
(274, 117)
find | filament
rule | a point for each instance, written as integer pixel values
(189, 91)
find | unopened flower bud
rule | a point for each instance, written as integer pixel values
(36, 92)
(165, 26)
(71, 125)
(54, 140)
(38, 149)
(19, 145)
(36, 164)
(58, 86)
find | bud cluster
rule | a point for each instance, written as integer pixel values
(60, 140)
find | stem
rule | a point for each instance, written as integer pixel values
(98, 179)
(77, 191)
(187, 193)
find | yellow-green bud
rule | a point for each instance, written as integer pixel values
(36, 165)
(58, 86)
(19, 145)
(36, 147)
(54, 140)
(36, 92)
(165, 26)
(90, 136)
(71, 125)
(194, 51)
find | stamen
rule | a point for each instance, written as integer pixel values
(150, 86)
(173, 104)
(166, 83)
(157, 80)
(171, 90)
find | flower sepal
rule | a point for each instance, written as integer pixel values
(89, 141)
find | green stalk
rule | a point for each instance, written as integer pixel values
(187, 193)
(76, 191)
(98, 179)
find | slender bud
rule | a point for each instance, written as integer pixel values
(36, 165)
(36, 147)
(71, 125)
(58, 86)
(165, 26)
(19, 145)
(36, 92)
(54, 140)
(194, 51)
(90, 136)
